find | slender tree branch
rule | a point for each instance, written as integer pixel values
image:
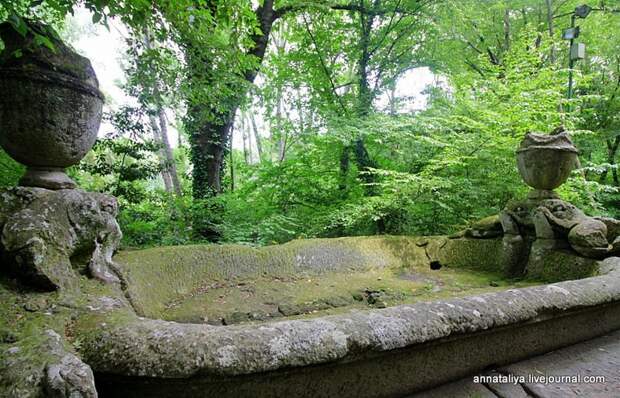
(375, 11)
(323, 66)
(475, 67)
(389, 28)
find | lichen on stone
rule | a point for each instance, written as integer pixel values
(49, 237)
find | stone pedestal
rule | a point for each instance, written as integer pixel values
(50, 236)
(50, 233)
(47, 177)
(50, 111)
(536, 195)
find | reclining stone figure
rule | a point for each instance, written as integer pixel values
(560, 222)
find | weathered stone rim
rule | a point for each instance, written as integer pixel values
(51, 78)
(170, 350)
(548, 148)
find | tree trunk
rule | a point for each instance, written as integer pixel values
(282, 147)
(392, 100)
(507, 29)
(300, 112)
(344, 169)
(168, 154)
(245, 137)
(208, 147)
(612, 149)
(231, 161)
(281, 134)
(365, 94)
(363, 106)
(550, 27)
(160, 130)
(165, 175)
(209, 138)
(365, 99)
(364, 164)
(257, 137)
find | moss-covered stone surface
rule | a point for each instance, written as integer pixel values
(366, 350)
(312, 287)
(560, 265)
(232, 284)
(24, 318)
(39, 350)
(265, 298)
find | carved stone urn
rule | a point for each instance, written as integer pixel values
(50, 106)
(545, 162)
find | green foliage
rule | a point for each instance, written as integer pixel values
(155, 220)
(335, 162)
(436, 170)
(121, 162)
(10, 170)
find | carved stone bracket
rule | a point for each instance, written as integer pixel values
(48, 237)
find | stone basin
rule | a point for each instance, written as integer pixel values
(221, 321)
(224, 285)
(546, 161)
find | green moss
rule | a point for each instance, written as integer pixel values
(409, 251)
(556, 266)
(89, 322)
(230, 284)
(25, 316)
(488, 223)
(38, 328)
(268, 296)
(478, 254)
(160, 275)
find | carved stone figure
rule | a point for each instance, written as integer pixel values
(49, 235)
(517, 226)
(586, 235)
(545, 162)
(541, 225)
(488, 227)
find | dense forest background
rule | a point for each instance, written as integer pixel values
(329, 147)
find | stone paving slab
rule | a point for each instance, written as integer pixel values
(512, 390)
(461, 388)
(597, 357)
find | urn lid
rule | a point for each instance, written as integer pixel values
(23, 57)
(559, 141)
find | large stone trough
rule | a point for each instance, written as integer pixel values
(350, 317)
(377, 352)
